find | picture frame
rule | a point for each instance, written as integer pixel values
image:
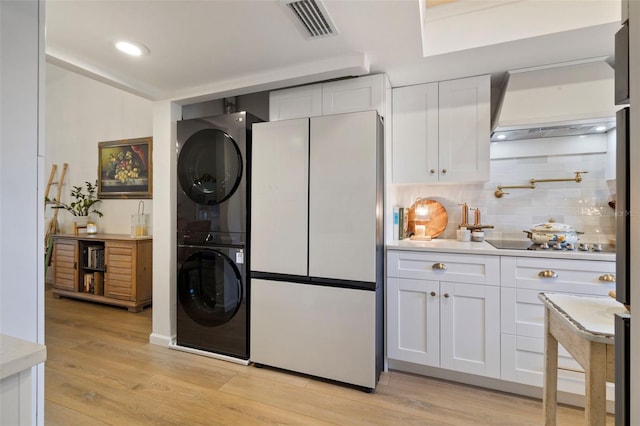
(125, 168)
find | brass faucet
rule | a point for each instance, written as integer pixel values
(532, 183)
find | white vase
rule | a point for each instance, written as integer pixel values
(81, 220)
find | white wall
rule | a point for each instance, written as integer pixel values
(165, 116)
(21, 165)
(80, 112)
(583, 205)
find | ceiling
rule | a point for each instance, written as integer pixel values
(208, 49)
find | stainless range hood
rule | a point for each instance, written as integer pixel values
(559, 100)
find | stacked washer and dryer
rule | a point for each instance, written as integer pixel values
(213, 210)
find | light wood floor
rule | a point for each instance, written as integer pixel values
(101, 370)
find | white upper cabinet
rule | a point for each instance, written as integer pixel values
(297, 102)
(441, 131)
(350, 95)
(415, 133)
(354, 95)
(465, 115)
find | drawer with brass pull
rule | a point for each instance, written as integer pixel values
(462, 268)
(559, 275)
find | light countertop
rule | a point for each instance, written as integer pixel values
(484, 248)
(17, 355)
(591, 316)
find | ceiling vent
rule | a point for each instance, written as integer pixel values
(311, 17)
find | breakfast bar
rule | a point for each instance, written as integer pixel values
(584, 325)
(17, 357)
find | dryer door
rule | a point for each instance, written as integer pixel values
(209, 288)
(209, 167)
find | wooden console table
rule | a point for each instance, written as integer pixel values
(584, 325)
(106, 268)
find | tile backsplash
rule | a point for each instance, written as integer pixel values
(584, 205)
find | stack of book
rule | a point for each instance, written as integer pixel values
(95, 257)
(93, 283)
(401, 222)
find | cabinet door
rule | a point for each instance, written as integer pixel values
(353, 95)
(65, 266)
(120, 268)
(470, 328)
(297, 102)
(279, 197)
(523, 362)
(415, 134)
(413, 321)
(464, 121)
(343, 196)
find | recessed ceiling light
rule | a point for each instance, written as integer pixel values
(132, 48)
(501, 136)
(601, 129)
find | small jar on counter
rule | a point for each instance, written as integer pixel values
(477, 236)
(92, 227)
(463, 234)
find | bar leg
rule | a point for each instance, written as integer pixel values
(549, 401)
(595, 412)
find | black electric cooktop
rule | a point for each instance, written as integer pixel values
(528, 245)
(511, 244)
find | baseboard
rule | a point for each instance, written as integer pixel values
(489, 383)
(173, 345)
(160, 339)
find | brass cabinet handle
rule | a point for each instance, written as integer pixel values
(439, 266)
(446, 295)
(547, 274)
(433, 294)
(444, 171)
(432, 171)
(609, 278)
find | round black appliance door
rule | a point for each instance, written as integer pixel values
(209, 166)
(209, 288)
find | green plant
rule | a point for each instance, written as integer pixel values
(83, 203)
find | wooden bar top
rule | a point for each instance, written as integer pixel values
(17, 355)
(591, 316)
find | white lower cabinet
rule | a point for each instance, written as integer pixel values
(481, 314)
(435, 321)
(522, 323)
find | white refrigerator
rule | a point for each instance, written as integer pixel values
(316, 253)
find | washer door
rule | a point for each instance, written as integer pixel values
(209, 166)
(209, 288)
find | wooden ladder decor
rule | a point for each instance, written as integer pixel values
(53, 225)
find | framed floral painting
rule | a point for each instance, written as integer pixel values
(124, 168)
